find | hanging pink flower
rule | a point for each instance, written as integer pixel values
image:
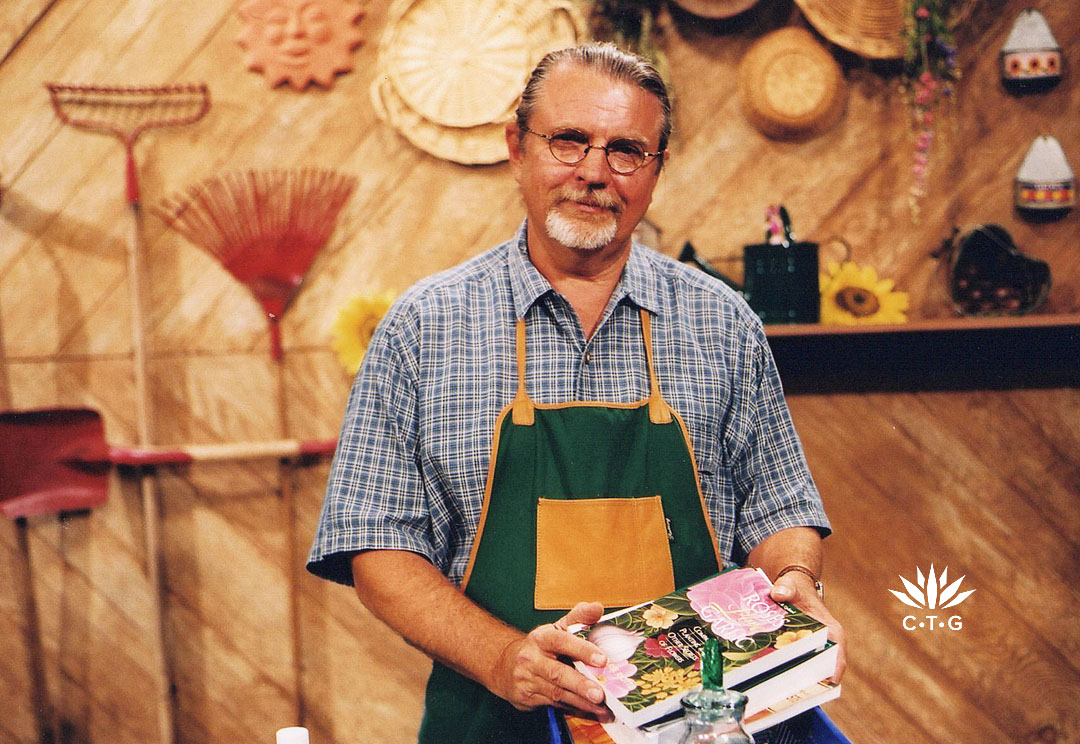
(930, 71)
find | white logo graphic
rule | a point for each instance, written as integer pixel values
(932, 592)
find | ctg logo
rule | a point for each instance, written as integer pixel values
(932, 592)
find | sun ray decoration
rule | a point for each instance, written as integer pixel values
(299, 41)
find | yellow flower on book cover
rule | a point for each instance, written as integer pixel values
(790, 636)
(851, 295)
(659, 617)
(355, 325)
(665, 682)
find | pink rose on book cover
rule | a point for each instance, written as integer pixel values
(736, 604)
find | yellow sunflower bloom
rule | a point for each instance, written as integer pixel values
(851, 295)
(355, 325)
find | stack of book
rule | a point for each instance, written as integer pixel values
(774, 653)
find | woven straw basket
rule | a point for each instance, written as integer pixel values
(789, 86)
(870, 28)
(449, 74)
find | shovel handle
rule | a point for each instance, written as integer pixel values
(186, 454)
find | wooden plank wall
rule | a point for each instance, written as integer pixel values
(984, 482)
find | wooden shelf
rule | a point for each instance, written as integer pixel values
(942, 354)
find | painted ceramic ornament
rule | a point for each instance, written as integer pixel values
(299, 41)
(1045, 182)
(1031, 59)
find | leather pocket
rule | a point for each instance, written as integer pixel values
(614, 551)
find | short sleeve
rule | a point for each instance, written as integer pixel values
(374, 496)
(769, 469)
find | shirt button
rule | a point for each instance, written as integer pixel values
(588, 356)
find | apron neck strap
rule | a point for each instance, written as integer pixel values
(522, 408)
(659, 413)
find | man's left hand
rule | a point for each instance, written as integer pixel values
(797, 589)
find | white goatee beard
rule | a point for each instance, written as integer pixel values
(579, 234)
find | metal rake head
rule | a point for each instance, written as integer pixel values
(127, 111)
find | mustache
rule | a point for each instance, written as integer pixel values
(604, 199)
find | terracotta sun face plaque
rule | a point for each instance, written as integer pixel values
(299, 41)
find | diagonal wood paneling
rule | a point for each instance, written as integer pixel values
(984, 482)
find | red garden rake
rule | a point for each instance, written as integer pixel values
(125, 113)
(265, 227)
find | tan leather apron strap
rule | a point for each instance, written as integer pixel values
(659, 413)
(522, 407)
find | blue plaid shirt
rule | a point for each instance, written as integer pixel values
(414, 449)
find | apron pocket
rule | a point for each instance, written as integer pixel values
(614, 551)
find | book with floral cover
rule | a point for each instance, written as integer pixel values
(653, 649)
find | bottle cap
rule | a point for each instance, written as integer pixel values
(293, 735)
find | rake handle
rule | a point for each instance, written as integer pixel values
(131, 174)
(187, 454)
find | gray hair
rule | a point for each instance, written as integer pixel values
(609, 60)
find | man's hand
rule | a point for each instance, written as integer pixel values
(529, 674)
(797, 589)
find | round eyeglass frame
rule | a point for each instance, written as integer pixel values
(585, 153)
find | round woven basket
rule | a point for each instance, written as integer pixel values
(790, 87)
(870, 28)
(455, 113)
(457, 64)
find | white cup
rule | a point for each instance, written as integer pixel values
(293, 735)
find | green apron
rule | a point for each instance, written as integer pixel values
(584, 501)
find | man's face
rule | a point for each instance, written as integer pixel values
(587, 206)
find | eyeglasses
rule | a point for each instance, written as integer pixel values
(624, 156)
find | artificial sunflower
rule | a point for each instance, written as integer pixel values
(851, 295)
(355, 325)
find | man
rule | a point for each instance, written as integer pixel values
(563, 419)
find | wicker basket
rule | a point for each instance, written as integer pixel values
(870, 28)
(789, 85)
(454, 111)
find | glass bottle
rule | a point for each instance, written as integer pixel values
(714, 715)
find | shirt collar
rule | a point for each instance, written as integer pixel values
(640, 283)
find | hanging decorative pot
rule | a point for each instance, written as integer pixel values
(1045, 183)
(1031, 59)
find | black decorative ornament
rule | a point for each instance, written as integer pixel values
(988, 275)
